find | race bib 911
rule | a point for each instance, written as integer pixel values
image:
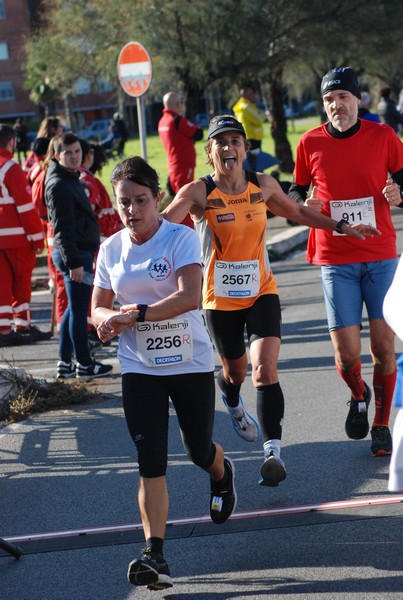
(357, 210)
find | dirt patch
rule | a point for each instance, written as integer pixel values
(28, 395)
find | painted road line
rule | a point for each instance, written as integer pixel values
(269, 512)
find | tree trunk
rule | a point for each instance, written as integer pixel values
(70, 122)
(193, 94)
(121, 101)
(282, 148)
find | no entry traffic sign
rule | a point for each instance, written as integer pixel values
(134, 69)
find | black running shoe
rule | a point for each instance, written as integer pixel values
(15, 338)
(357, 425)
(95, 369)
(151, 570)
(65, 370)
(381, 441)
(223, 500)
(37, 334)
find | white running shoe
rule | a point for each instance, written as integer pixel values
(242, 421)
(272, 471)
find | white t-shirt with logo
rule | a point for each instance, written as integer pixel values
(144, 274)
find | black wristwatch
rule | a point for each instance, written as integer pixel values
(339, 226)
(142, 308)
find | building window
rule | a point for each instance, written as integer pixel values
(6, 90)
(2, 10)
(104, 86)
(4, 51)
(82, 86)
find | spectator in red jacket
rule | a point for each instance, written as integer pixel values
(108, 218)
(21, 236)
(178, 136)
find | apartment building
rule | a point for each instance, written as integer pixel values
(18, 19)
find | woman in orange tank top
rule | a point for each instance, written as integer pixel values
(229, 209)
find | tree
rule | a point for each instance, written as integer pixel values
(52, 68)
(201, 44)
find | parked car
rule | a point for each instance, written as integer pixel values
(203, 120)
(31, 137)
(310, 109)
(289, 112)
(96, 131)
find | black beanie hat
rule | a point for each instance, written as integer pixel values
(340, 78)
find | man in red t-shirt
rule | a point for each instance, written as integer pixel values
(355, 168)
(178, 136)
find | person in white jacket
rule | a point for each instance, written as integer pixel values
(394, 317)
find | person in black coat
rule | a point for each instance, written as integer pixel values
(75, 243)
(22, 145)
(387, 110)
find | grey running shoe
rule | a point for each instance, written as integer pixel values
(244, 424)
(272, 471)
(151, 570)
(357, 425)
(223, 500)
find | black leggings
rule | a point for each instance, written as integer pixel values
(146, 406)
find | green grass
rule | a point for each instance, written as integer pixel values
(157, 158)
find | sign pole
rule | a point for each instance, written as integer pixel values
(135, 74)
(142, 127)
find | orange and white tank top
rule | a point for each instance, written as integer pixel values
(235, 261)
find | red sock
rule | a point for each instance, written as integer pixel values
(384, 386)
(354, 381)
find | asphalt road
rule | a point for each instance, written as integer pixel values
(330, 530)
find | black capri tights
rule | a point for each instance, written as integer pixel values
(227, 327)
(146, 406)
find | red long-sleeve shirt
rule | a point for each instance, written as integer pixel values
(178, 135)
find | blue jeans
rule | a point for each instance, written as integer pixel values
(73, 328)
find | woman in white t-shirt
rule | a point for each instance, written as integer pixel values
(152, 268)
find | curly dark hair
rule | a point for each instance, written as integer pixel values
(100, 158)
(138, 170)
